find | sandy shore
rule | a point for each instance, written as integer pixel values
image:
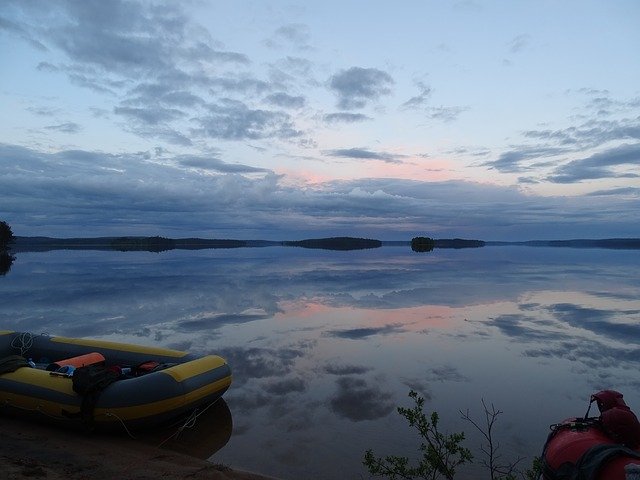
(32, 450)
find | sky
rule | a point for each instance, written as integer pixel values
(284, 120)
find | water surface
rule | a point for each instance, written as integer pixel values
(324, 345)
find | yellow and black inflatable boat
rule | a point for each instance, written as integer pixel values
(179, 383)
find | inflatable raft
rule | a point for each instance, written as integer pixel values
(135, 386)
(595, 448)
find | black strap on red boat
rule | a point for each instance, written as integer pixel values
(549, 473)
(590, 463)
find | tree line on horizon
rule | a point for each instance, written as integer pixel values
(6, 238)
(158, 244)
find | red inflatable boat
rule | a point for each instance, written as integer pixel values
(606, 447)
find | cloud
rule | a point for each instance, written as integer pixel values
(286, 386)
(344, 117)
(291, 72)
(519, 160)
(365, 332)
(44, 110)
(616, 192)
(358, 86)
(524, 328)
(601, 322)
(233, 120)
(356, 400)
(284, 100)
(254, 362)
(216, 165)
(346, 369)
(202, 50)
(150, 116)
(597, 338)
(445, 113)
(361, 153)
(18, 30)
(420, 99)
(600, 136)
(173, 194)
(604, 120)
(215, 322)
(519, 43)
(165, 69)
(123, 37)
(599, 165)
(247, 402)
(152, 93)
(445, 373)
(420, 103)
(590, 134)
(592, 353)
(295, 34)
(238, 84)
(67, 127)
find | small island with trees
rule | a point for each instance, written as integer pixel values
(335, 243)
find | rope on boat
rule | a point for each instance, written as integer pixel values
(39, 409)
(190, 422)
(109, 414)
(24, 341)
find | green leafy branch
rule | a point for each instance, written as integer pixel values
(442, 453)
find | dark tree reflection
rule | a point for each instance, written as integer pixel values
(6, 260)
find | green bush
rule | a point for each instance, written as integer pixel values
(441, 454)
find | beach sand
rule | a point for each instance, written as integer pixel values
(36, 450)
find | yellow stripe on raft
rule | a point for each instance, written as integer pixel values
(195, 367)
(47, 407)
(6, 332)
(106, 415)
(42, 379)
(125, 347)
(109, 414)
(162, 406)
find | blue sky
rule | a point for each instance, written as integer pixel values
(284, 120)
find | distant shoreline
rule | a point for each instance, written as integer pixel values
(609, 243)
(160, 244)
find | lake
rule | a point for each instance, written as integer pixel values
(324, 345)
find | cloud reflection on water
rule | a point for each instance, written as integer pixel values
(358, 400)
(365, 332)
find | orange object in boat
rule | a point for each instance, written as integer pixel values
(93, 358)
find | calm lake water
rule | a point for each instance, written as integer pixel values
(324, 345)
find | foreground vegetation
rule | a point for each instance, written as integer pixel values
(441, 454)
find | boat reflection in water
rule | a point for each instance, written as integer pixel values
(200, 435)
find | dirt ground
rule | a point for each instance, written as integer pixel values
(33, 450)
